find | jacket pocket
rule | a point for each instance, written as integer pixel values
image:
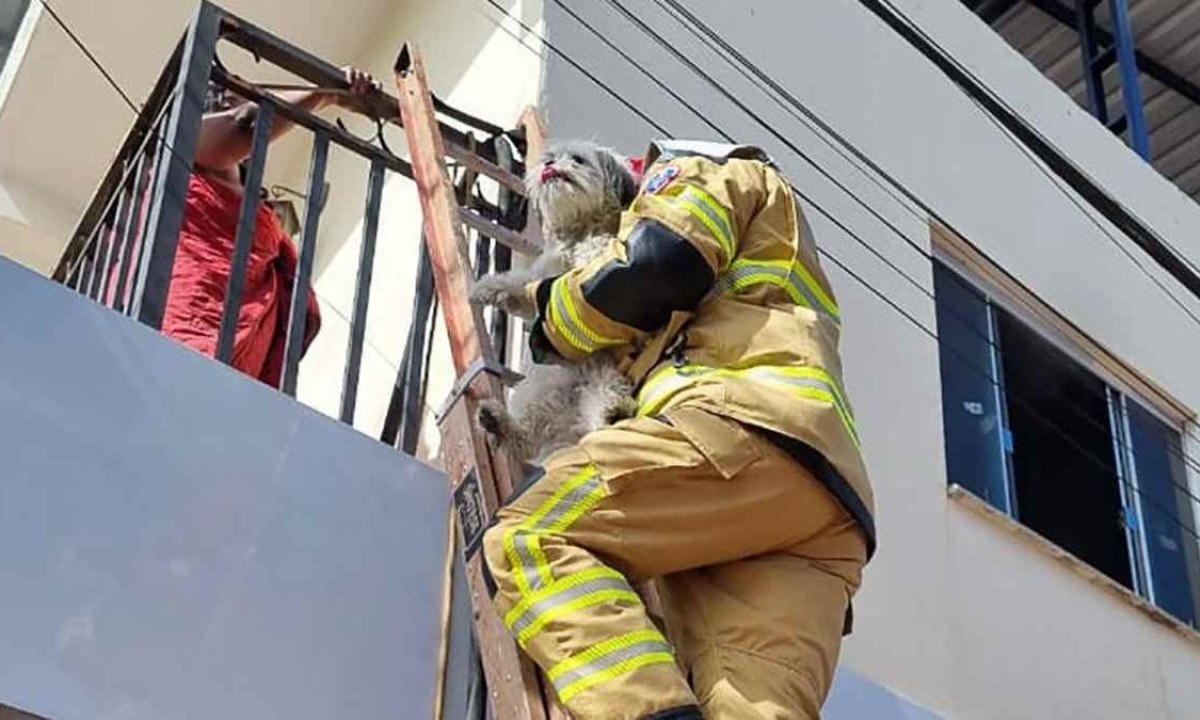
(727, 445)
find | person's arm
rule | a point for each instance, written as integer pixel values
(226, 136)
(681, 232)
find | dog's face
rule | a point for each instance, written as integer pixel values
(580, 189)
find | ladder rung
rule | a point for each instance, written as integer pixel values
(1118, 125)
(513, 239)
(1105, 58)
(473, 161)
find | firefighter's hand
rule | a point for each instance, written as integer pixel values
(363, 89)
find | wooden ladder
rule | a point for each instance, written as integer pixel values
(481, 476)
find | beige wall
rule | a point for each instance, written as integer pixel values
(61, 122)
(957, 613)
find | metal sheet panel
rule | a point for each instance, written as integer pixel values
(854, 697)
(1166, 30)
(178, 541)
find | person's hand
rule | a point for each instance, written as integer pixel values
(362, 87)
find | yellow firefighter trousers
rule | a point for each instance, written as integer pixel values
(757, 564)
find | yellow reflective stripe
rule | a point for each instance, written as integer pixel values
(576, 496)
(578, 509)
(706, 209)
(815, 288)
(741, 282)
(565, 319)
(806, 382)
(663, 384)
(792, 277)
(590, 600)
(709, 211)
(525, 573)
(539, 560)
(809, 373)
(549, 509)
(607, 660)
(559, 588)
(622, 668)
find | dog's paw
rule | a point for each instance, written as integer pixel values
(493, 418)
(623, 409)
(487, 291)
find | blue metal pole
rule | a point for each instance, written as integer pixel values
(1139, 138)
(1093, 71)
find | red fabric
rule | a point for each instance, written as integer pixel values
(200, 277)
(636, 166)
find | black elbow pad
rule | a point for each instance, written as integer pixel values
(663, 273)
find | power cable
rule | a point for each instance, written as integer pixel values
(1033, 412)
(1187, 459)
(645, 117)
(691, 65)
(808, 118)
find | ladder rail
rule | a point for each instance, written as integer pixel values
(480, 475)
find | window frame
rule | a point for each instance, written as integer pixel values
(22, 39)
(1016, 299)
(1123, 384)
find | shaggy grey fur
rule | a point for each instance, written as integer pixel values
(580, 207)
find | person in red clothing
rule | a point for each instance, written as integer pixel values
(203, 256)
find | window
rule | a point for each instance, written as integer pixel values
(11, 14)
(1045, 440)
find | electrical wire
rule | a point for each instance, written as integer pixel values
(809, 119)
(1187, 459)
(920, 326)
(108, 77)
(691, 65)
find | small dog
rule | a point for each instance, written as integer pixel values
(579, 190)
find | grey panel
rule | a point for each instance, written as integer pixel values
(853, 697)
(178, 541)
(1166, 30)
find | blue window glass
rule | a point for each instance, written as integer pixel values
(1042, 438)
(972, 411)
(1168, 523)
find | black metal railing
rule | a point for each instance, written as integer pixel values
(122, 252)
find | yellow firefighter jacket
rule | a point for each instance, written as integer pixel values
(712, 296)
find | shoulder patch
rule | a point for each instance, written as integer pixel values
(661, 180)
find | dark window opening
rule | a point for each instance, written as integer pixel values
(1043, 439)
(1064, 468)
(12, 12)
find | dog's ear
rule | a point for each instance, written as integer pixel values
(620, 179)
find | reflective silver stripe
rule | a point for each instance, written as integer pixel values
(583, 673)
(741, 275)
(568, 502)
(523, 541)
(540, 608)
(704, 204)
(661, 386)
(564, 323)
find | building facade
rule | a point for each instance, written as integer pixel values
(1022, 373)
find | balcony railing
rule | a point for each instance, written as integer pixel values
(123, 250)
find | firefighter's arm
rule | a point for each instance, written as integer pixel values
(680, 232)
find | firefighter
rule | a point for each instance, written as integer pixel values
(739, 484)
